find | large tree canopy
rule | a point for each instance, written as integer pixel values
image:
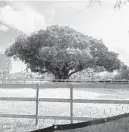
(62, 51)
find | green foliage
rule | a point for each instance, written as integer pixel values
(123, 73)
(105, 59)
(62, 51)
(118, 4)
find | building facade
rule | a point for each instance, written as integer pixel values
(5, 65)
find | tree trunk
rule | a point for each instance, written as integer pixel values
(61, 76)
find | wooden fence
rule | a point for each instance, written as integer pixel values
(71, 100)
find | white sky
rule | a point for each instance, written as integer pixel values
(99, 21)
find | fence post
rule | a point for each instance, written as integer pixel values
(37, 103)
(71, 103)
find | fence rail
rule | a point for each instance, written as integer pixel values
(34, 81)
(71, 100)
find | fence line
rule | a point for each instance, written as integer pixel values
(71, 103)
(37, 104)
(34, 81)
(71, 100)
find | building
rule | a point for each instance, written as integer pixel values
(5, 65)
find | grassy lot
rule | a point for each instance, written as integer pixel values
(13, 125)
(62, 109)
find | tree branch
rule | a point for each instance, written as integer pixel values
(77, 70)
(43, 71)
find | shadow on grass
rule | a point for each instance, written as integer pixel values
(99, 123)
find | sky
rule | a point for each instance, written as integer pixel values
(100, 21)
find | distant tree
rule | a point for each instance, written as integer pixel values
(62, 51)
(123, 73)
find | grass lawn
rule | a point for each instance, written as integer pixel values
(62, 109)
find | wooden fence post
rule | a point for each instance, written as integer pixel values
(37, 104)
(71, 103)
